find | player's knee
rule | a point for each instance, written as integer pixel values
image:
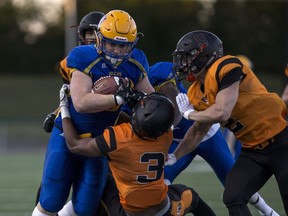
(183, 199)
(59, 160)
(233, 198)
(54, 194)
(85, 209)
(52, 204)
(89, 199)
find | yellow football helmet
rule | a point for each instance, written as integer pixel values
(117, 28)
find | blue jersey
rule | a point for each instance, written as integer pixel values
(87, 60)
(161, 73)
(213, 147)
(63, 169)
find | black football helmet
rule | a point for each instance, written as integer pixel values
(152, 116)
(196, 51)
(88, 22)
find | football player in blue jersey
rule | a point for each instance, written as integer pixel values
(86, 32)
(213, 147)
(114, 55)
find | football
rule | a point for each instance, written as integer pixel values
(107, 85)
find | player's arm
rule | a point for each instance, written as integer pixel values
(222, 109)
(285, 95)
(171, 92)
(190, 141)
(145, 86)
(86, 101)
(83, 99)
(82, 146)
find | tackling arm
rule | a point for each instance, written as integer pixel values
(83, 146)
(192, 139)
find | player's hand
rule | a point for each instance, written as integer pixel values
(134, 97)
(63, 95)
(171, 160)
(123, 92)
(49, 122)
(184, 105)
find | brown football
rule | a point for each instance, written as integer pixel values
(107, 85)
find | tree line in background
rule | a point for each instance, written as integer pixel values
(257, 29)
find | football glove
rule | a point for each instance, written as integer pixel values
(184, 105)
(63, 93)
(64, 102)
(49, 122)
(134, 97)
(123, 92)
(171, 160)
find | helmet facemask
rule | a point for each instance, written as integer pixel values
(117, 36)
(92, 38)
(115, 59)
(196, 52)
(89, 23)
(184, 66)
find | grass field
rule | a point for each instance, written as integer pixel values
(20, 174)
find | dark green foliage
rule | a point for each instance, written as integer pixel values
(257, 29)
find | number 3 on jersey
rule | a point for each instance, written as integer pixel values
(155, 164)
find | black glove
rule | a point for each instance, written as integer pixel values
(134, 97)
(49, 122)
(123, 92)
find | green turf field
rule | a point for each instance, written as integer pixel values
(20, 174)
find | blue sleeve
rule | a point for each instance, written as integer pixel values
(143, 60)
(81, 57)
(160, 72)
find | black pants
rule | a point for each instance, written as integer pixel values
(252, 170)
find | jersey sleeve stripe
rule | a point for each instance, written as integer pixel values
(113, 145)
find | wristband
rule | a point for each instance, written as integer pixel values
(186, 114)
(118, 100)
(65, 112)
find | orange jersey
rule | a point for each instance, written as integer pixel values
(137, 165)
(64, 71)
(258, 114)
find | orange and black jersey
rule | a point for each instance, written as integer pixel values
(136, 165)
(258, 114)
(65, 72)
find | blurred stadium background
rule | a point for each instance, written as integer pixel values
(33, 35)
